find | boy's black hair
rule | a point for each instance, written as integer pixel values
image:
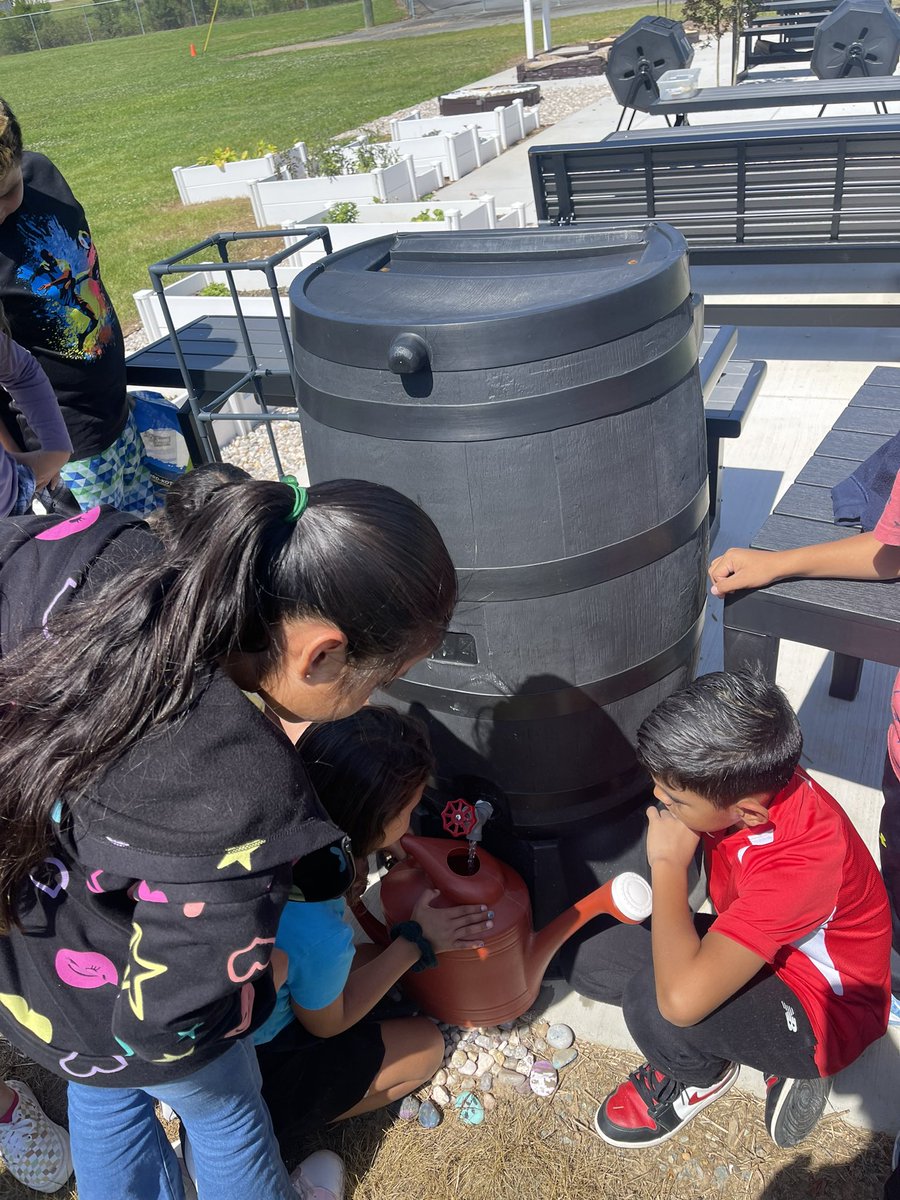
(725, 736)
(366, 769)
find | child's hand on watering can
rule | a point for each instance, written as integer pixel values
(458, 928)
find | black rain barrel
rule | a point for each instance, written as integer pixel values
(537, 393)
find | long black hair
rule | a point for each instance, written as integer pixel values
(136, 654)
(366, 769)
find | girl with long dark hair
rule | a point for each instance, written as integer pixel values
(153, 818)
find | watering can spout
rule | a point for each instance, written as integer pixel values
(627, 897)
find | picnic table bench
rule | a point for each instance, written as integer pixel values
(794, 40)
(216, 359)
(796, 191)
(767, 93)
(855, 619)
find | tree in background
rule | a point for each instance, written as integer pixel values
(717, 17)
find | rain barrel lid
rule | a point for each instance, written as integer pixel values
(481, 299)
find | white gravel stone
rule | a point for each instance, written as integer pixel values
(560, 1037)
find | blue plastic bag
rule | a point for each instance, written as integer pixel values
(165, 450)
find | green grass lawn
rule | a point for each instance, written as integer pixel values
(147, 106)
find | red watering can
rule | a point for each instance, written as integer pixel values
(501, 980)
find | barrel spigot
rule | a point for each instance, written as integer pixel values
(484, 810)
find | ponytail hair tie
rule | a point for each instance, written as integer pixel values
(301, 498)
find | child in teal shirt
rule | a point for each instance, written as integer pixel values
(322, 1057)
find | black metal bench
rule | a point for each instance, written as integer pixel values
(794, 39)
(792, 191)
(782, 93)
(857, 620)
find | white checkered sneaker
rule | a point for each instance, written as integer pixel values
(36, 1151)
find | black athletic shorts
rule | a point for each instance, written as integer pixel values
(309, 1081)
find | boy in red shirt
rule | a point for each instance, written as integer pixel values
(872, 555)
(792, 974)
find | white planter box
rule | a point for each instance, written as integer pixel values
(196, 184)
(508, 123)
(455, 154)
(278, 202)
(186, 305)
(376, 220)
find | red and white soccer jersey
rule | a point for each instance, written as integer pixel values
(803, 893)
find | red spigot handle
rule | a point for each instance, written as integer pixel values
(459, 818)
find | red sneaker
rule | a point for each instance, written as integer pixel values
(649, 1107)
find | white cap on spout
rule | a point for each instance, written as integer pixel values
(632, 896)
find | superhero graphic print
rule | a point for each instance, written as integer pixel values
(64, 274)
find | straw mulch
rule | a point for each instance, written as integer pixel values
(532, 1149)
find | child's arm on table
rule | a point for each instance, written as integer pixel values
(693, 975)
(861, 557)
(445, 928)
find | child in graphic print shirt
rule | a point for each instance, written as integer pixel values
(792, 974)
(59, 309)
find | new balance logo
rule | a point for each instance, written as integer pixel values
(789, 1017)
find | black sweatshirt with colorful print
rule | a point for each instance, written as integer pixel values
(146, 930)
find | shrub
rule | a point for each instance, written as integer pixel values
(344, 212)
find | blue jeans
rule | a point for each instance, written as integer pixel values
(121, 1152)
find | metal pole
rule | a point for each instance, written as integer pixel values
(252, 13)
(545, 22)
(137, 9)
(193, 13)
(35, 32)
(368, 15)
(529, 29)
(87, 26)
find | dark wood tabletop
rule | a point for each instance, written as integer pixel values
(780, 93)
(858, 620)
(216, 358)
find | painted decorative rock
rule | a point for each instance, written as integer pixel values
(470, 1108)
(562, 1058)
(560, 1037)
(429, 1115)
(543, 1079)
(409, 1108)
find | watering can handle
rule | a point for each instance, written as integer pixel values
(370, 924)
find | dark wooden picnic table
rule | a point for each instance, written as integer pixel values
(216, 359)
(783, 93)
(855, 619)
